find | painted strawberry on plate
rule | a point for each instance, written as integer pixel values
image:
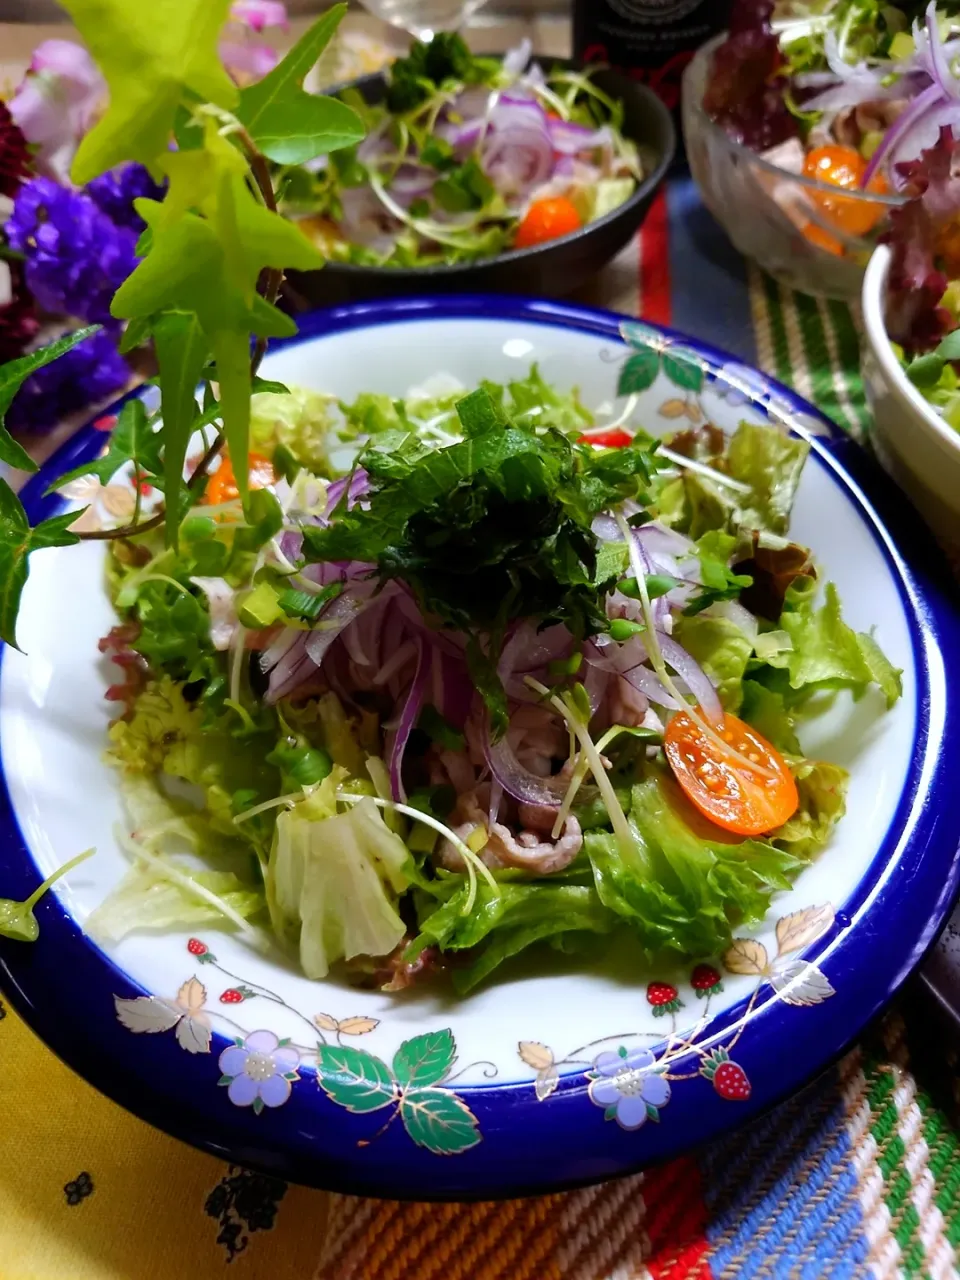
(663, 998)
(728, 1077)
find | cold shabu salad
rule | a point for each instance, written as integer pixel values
(475, 674)
(466, 158)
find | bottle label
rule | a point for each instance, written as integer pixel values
(654, 10)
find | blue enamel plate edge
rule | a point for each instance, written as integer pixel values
(64, 986)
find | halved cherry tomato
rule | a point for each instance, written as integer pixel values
(547, 220)
(223, 483)
(727, 792)
(842, 167)
(615, 438)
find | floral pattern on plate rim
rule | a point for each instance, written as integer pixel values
(631, 1082)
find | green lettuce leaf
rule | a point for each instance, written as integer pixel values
(826, 653)
(822, 787)
(333, 881)
(722, 649)
(299, 422)
(684, 886)
(146, 899)
(771, 462)
(499, 928)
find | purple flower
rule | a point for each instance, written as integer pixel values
(259, 1071)
(114, 193)
(627, 1087)
(76, 259)
(89, 373)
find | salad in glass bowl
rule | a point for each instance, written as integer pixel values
(475, 672)
(817, 99)
(466, 158)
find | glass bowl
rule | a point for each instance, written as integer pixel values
(785, 222)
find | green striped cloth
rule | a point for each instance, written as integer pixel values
(813, 345)
(902, 1086)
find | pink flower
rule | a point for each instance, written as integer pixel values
(245, 56)
(259, 14)
(57, 103)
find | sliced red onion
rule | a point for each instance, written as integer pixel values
(293, 669)
(279, 648)
(517, 152)
(900, 136)
(408, 721)
(515, 60)
(364, 220)
(657, 537)
(741, 617)
(570, 139)
(693, 676)
(411, 182)
(519, 782)
(595, 682)
(607, 655)
(648, 683)
(496, 799)
(937, 64)
(359, 483)
(401, 655)
(339, 613)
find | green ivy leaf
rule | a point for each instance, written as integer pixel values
(12, 377)
(639, 372)
(17, 541)
(132, 440)
(211, 240)
(684, 369)
(439, 1120)
(425, 1059)
(182, 351)
(289, 125)
(354, 1079)
(150, 54)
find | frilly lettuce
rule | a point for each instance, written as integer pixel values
(767, 459)
(333, 881)
(157, 894)
(499, 928)
(300, 421)
(722, 649)
(684, 885)
(826, 653)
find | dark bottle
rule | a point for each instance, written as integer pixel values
(649, 40)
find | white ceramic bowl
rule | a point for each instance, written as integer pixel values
(914, 443)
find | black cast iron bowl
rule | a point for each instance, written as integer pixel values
(549, 270)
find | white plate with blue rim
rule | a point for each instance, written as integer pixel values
(550, 1076)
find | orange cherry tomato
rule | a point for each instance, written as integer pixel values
(727, 792)
(842, 167)
(223, 483)
(547, 220)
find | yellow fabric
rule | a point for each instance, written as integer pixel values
(145, 1218)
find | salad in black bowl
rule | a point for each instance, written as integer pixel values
(480, 172)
